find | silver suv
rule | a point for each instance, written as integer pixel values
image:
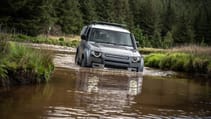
(108, 45)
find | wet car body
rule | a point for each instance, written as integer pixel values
(108, 45)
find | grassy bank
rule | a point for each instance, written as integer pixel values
(22, 65)
(192, 59)
(190, 49)
(151, 50)
(71, 41)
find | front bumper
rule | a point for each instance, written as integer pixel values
(120, 62)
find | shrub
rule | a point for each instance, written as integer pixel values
(41, 39)
(3, 45)
(23, 37)
(168, 40)
(74, 43)
(26, 64)
(3, 71)
(61, 39)
(209, 68)
(62, 43)
(174, 61)
(141, 38)
(165, 63)
(200, 65)
(179, 62)
(153, 60)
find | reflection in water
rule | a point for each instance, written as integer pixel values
(129, 84)
(134, 87)
(92, 84)
(110, 94)
(100, 95)
(88, 93)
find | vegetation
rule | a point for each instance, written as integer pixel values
(190, 49)
(162, 24)
(70, 42)
(151, 50)
(22, 65)
(155, 23)
(193, 49)
(41, 39)
(188, 59)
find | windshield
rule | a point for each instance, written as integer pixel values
(111, 37)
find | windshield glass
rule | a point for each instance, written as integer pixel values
(111, 37)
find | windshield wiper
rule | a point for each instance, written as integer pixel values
(116, 44)
(124, 45)
(105, 42)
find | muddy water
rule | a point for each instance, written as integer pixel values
(76, 92)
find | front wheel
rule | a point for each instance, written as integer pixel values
(142, 65)
(141, 68)
(76, 59)
(83, 62)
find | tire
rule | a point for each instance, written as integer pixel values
(141, 68)
(83, 62)
(142, 65)
(76, 59)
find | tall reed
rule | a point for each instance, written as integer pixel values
(25, 65)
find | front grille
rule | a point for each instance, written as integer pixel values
(119, 62)
(117, 56)
(115, 67)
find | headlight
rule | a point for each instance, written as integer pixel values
(135, 59)
(96, 54)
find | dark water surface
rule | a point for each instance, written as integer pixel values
(92, 93)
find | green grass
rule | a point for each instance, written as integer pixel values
(22, 64)
(177, 61)
(191, 49)
(153, 60)
(151, 50)
(3, 71)
(41, 39)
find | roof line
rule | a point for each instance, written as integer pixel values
(111, 24)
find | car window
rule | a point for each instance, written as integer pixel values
(83, 31)
(111, 37)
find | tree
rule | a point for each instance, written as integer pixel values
(70, 17)
(202, 22)
(88, 11)
(168, 40)
(105, 10)
(148, 17)
(156, 39)
(168, 17)
(182, 32)
(28, 16)
(143, 40)
(189, 21)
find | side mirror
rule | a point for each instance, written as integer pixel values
(83, 37)
(137, 44)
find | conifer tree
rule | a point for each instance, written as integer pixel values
(88, 11)
(70, 17)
